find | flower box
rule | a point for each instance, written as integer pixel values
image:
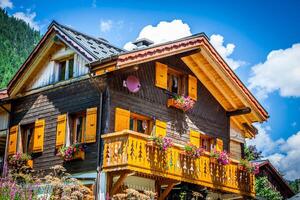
(181, 102)
(73, 152)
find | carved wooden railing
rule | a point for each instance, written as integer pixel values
(128, 150)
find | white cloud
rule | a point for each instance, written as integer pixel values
(6, 4)
(284, 154)
(106, 25)
(280, 72)
(28, 18)
(225, 51)
(162, 32)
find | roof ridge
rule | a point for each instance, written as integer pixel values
(86, 35)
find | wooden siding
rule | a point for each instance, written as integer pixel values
(47, 105)
(208, 116)
(235, 150)
(49, 71)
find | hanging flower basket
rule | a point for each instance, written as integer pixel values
(73, 152)
(221, 157)
(192, 151)
(245, 165)
(163, 143)
(181, 102)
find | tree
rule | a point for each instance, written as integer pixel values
(263, 189)
(251, 153)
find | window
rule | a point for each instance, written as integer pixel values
(176, 82)
(62, 71)
(27, 132)
(206, 142)
(77, 127)
(71, 68)
(140, 123)
(66, 69)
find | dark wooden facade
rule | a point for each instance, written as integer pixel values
(207, 115)
(71, 98)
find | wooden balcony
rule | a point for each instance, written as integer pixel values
(130, 151)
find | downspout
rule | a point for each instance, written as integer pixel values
(98, 183)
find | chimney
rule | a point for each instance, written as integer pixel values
(142, 43)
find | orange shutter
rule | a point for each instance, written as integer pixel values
(91, 125)
(122, 119)
(195, 138)
(13, 136)
(160, 128)
(61, 130)
(193, 87)
(38, 136)
(219, 144)
(161, 75)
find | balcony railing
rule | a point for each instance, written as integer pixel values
(128, 150)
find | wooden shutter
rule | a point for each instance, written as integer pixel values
(122, 119)
(91, 125)
(219, 144)
(38, 136)
(161, 75)
(195, 138)
(160, 128)
(193, 87)
(13, 136)
(61, 130)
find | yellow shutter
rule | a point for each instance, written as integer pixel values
(193, 87)
(219, 144)
(61, 130)
(13, 136)
(195, 138)
(161, 75)
(122, 119)
(91, 125)
(38, 136)
(160, 128)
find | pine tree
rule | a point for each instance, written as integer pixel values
(17, 41)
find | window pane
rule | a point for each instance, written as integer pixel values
(140, 128)
(174, 84)
(71, 68)
(131, 126)
(62, 71)
(79, 127)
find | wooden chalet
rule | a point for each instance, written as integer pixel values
(74, 88)
(275, 179)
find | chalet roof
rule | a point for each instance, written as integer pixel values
(90, 48)
(217, 75)
(274, 173)
(97, 47)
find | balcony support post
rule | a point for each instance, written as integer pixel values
(166, 191)
(118, 184)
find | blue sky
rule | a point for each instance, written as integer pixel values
(255, 28)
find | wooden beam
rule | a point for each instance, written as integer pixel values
(166, 191)
(199, 60)
(118, 184)
(189, 61)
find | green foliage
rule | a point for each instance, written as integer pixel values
(295, 185)
(264, 189)
(251, 153)
(17, 41)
